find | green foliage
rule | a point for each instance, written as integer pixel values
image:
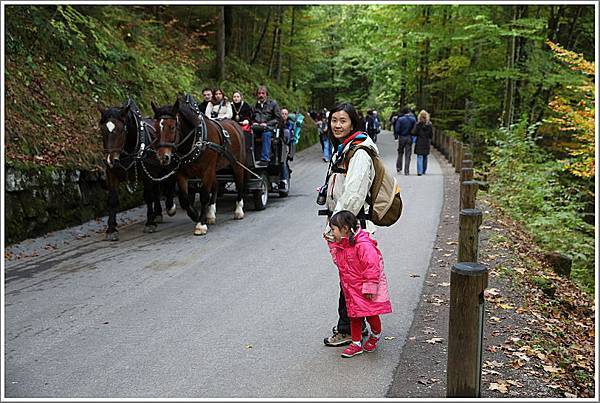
(526, 181)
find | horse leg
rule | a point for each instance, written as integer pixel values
(112, 233)
(238, 173)
(201, 224)
(211, 214)
(149, 198)
(184, 202)
(169, 190)
(156, 192)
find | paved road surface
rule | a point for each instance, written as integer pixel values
(240, 312)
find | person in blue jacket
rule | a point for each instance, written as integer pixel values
(403, 130)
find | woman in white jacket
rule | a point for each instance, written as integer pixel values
(219, 107)
(348, 186)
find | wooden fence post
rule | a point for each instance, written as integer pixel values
(447, 147)
(468, 194)
(468, 234)
(459, 156)
(468, 281)
(466, 174)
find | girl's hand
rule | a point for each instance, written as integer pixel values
(368, 296)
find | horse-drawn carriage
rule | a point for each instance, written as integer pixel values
(261, 180)
(203, 155)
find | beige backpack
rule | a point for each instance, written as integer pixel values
(385, 203)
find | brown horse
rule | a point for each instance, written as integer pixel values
(198, 147)
(125, 135)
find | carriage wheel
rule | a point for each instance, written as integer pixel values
(262, 196)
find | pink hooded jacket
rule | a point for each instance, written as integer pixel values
(361, 272)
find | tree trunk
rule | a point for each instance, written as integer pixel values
(221, 45)
(291, 43)
(403, 80)
(262, 37)
(228, 21)
(279, 57)
(572, 36)
(272, 57)
(509, 90)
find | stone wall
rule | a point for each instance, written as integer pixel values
(46, 199)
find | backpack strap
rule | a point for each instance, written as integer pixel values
(377, 181)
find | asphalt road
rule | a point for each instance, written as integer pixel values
(238, 313)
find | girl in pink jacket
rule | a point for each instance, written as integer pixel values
(362, 279)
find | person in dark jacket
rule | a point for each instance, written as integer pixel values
(266, 117)
(424, 134)
(207, 94)
(402, 132)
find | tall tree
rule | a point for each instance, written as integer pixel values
(221, 44)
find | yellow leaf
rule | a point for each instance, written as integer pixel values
(500, 387)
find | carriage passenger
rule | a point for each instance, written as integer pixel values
(265, 119)
(219, 107)
(242, 112)
(207, 94)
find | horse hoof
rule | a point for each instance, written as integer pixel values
(211, 221)
(238, 216)
(112, 236)
(171, 212)
(158, 219)
(149, 229)
(200, 229)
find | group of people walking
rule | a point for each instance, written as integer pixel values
(409, 130)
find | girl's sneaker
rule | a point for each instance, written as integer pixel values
(352, 350)
(370, 344)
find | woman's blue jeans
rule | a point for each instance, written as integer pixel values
(421, 164)
(326, 149)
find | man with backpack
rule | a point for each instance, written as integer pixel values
(354, 170)
(403, 132)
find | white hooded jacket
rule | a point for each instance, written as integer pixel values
(349, 191)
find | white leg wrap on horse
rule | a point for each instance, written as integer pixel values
(211, 214)
(201, 229)
(238, 214)
(171, 212)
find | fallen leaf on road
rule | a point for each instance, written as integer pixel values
(492, 364)
(514, 383)
(249, 346)
(500, 387)
(490, 372)
(567, 394)
(554, 386)
(444, 284)
(414, 275)
(429, 381)
(434, 340)
(551, 369)
(389, 337)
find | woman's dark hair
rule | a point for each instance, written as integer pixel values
(354, 119)
(343, 219)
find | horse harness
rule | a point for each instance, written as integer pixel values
(200, 140)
